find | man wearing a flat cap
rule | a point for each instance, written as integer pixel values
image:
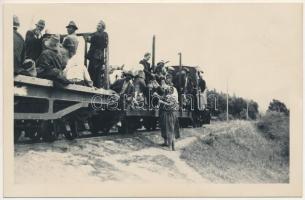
(49, 63)
(96, 55)
(124, 85)
(160, 71)
(71, 40)
(33, 41)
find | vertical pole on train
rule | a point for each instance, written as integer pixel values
(107, 68)
(198, 91)
(85, 52)
(153, 53)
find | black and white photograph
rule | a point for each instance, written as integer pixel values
(187, 97)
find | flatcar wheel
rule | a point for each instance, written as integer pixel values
(48, 131)
(154, 125)
(129, 127)
(17, 134)
(75, 129)
(69, 134)
(94, 126)
(106, 130)
(147, 125)
(32, 132)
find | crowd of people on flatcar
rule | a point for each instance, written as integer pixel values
(52, 57)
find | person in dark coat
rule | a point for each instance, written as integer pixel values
(168, 118)
(96, 55)
(21, 65)
(201, 82)
(49, 63)
(18, 47)
(169, 81)
(147, 68)
(139, 83)
(123, 87)
(33, 41)
(184, 85)
(140, 89)
(160, 71)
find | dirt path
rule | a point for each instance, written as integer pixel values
(128, 158)
(218, 153)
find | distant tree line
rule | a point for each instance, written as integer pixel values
(278, 106)
(217, 103)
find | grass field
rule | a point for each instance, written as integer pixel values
(243, 151)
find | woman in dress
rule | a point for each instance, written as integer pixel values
(168, 105)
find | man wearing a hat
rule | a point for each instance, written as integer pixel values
(201, 81)
(160, 71)
(18, 46)
(139, 83)
(33, 41)
(96, 55)
(147, 69)
(202, 90)
(124, 85)
(21, 65)
(71, 40)
(49, 63)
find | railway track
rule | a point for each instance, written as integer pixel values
(83, 136)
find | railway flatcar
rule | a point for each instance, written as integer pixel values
(43, 111)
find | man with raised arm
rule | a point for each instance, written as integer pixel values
(96, 55)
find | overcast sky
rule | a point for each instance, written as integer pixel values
(256, 48)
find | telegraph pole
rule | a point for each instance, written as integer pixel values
(180, 80)
(106, 73)
(227, 103)
(247, 110)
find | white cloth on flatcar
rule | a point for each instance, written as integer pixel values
(76, 71)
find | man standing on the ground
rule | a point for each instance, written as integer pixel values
(96, 55)
(33, 41)
(71, 40)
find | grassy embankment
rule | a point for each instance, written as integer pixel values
(243, 151)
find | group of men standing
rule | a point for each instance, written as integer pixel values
(53, 57)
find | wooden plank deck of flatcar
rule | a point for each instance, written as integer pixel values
(48, 83)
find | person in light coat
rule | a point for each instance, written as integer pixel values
(71, 39)
(77, 73)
